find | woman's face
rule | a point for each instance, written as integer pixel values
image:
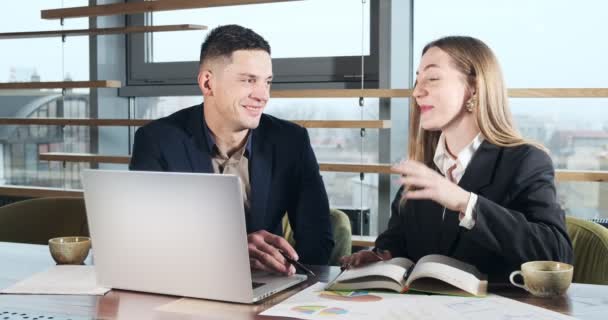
(441, 91)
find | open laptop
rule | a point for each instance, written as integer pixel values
(174, 233)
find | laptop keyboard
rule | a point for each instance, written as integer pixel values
(256, 284)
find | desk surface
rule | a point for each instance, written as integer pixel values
(18, 261)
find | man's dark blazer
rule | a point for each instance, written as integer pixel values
(283, 172)
(517, 216)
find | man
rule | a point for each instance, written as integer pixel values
(229, 134)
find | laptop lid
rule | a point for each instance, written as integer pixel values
(171, 233)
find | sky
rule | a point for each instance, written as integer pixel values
(48, 56)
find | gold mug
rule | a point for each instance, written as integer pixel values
(70, 250)
(544, 278)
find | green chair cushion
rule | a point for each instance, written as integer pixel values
(341, 230)
(590, 245)
(38, 220)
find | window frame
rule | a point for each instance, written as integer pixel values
(323, 72)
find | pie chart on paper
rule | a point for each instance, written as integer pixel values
(332, 311)
(308, 309)
(320, 310)
(353, 296)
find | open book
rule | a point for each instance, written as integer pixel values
(433, 273)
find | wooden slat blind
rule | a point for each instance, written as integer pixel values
(37, 192)
(342, 93)
(328, 124)
(143, 6)
(99, 31)
(61, 84)
(559, 93)
(560, 175)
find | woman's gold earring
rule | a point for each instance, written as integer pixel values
(470, 104)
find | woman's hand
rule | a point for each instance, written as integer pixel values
(364, 257)
(425, 183)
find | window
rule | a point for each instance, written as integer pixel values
(42, 59)
(541, 44)
(172, 58)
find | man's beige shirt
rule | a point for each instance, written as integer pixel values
(237, 164)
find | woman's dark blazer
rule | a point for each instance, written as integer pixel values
(517, 216)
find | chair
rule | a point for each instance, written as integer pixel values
(38, 220)
(590, 245)
(342, 235)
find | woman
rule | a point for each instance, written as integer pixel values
(473, 188)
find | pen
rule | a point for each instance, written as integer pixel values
(378, 256)
(297, 264)
(376, 251)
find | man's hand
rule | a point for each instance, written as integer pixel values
(264, 252)
(364, 257)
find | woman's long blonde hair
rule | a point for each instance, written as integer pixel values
(478, 63)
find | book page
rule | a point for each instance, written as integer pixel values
(403, 262)
(450, 271)
(394, 269)
(452, 263)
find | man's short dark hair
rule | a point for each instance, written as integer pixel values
(224, 40)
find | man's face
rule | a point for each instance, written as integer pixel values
(239, 88)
